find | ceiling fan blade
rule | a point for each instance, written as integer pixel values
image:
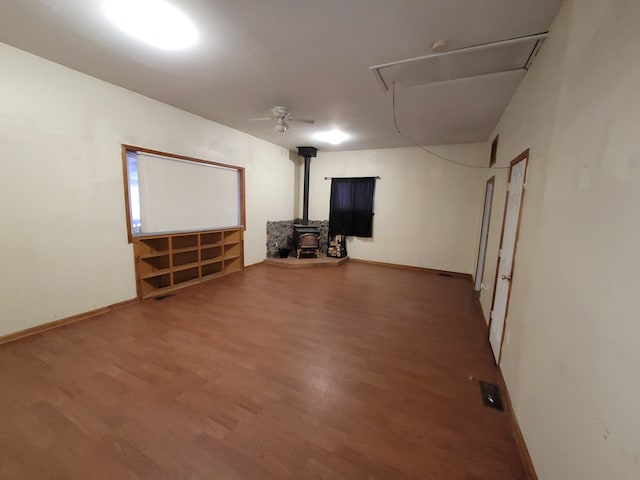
(301, 120)
(260, 119)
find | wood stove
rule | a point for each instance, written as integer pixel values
(306, 240)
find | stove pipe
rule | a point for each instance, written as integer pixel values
(307, 153)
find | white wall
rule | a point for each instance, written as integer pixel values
(427, 211)
(573, 362)
(63, 247)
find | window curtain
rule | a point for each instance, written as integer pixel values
(351, 206)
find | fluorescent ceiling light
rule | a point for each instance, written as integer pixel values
(155, 22)
(333, 137)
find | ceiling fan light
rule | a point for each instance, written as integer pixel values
(334, 137)
(281, 127)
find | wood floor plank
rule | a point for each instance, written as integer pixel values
(354, 372)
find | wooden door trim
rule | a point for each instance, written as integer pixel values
(523, 156)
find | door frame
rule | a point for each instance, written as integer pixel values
(484, 233)
(523, 156)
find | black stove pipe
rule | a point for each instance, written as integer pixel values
(307, 153)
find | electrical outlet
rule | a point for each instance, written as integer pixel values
(483, 286)
(507, 338)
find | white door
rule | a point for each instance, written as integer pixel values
(484, 234)
(515, 189)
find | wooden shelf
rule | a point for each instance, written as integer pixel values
(210, 253)
(153, 246)
(155, 273)
(232, 250)
(154, 255)
(209, 261)
(211, 238)
(186, 266)
(232, 236)
(186, 249)
(181, 241)
(167, 262)
(183, 258)
(212, 269)
(232, 265)
(152, 284)
(185, 275)
(210, 245)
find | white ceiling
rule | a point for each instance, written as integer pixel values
(312, 56)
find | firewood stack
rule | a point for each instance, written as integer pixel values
(337, 246)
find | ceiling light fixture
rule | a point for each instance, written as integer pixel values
(155, 22)
(333, 137)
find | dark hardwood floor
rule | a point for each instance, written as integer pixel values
(355, 372)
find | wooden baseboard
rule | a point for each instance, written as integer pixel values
(517, 433)
(479, 307)
(253, 265)
(409, 267)
(63, 321)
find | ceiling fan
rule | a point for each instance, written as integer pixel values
(281, 116)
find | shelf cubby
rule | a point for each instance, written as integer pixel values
(153, 266)
(232, 265)
(211, 269)
(211, 253)
(186, 275)
(153, 246)
(184, 242)
(232, 236)
(210, 239)
(232, 250)
(167, 262)
(185, 257)
(155, 285)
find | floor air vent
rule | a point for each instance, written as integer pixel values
(491, 395)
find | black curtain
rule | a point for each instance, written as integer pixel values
(351, 206)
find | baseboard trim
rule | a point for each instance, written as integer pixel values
(63, 321)
(253, 265)
(410, 267)
(517, 433)
(479, 307)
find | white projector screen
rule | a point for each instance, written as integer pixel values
(180, 195)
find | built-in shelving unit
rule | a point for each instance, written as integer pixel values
(167, 262)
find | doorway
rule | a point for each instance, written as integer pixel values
(484, 234)
(506, 254)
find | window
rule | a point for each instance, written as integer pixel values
(134, 192)
(171, 193)
(351, 206)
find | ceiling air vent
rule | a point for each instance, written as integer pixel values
(486, 59)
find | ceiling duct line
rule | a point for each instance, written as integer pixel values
(422, 147)
(475, 61)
